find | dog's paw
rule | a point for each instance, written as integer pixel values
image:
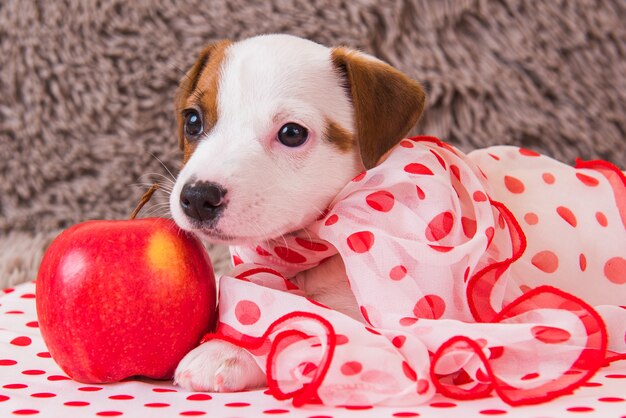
(218, 366)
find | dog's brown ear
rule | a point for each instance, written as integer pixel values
(190, 80)
(387, 103)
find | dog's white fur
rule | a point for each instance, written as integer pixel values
(272, 189)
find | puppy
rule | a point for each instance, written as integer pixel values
(272, 128)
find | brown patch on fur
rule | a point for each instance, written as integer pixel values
(198, 88)
(338, 136)
(387, 103)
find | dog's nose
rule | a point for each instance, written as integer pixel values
(203, 201)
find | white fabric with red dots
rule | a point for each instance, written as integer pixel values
(32, 384)
(475, 274)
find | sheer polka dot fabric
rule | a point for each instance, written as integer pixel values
(499, 273)
(31, 384)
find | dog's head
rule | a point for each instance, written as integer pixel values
(273, 127)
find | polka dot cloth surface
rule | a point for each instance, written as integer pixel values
(31, 384)
(498, 273)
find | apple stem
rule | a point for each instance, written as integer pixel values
(144, 199)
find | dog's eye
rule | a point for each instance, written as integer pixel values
(193, 123)
(293, 135)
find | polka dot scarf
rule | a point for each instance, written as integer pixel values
(474, 274)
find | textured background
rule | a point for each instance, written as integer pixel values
(86, 89)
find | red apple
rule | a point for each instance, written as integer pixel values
(117, 299)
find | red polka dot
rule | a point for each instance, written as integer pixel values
(439, 159)
(44, 354)
(247, 312)
(550, 335)
(199, 397)
(548, 178)
(615, 376)
(567, 215)
(442, 405)
(276, 411)
(429, 307)
(341, 339)
(494, 156)
(32, 324)
(192, 413)
(406, 414)
(289, 255)
(357, 407)
(311, 245)
(28, 296)
(351, 368)
(492, 412)
(15, 386)
(33, 372)
(469, 226)
(7, 362)
(531, 218)
(408, 321)
(398, 341)
(406, 144)
(365, 314)
(90, 389)
(55, 378)
(121, 397)
(4, 398)
(359, 177)
(156, 405)
(237, 404)
(591, 384)
(580, 409)
(14, 312)
(372, 330)
(76, 403)
(422, 386)
(43, 395)
(582, 262)
(479, 196)
(615, 270)
(21, 341)
(489, 233)
(332, 219)
(456, 172)
(262, 252)
(495, 352)
(361, 242)
(546, 261)
(25, 412)
(416, 168)
(530, 376)
(514, 185)
(611, 399)
(420, 193)
(397, 273)
(409, 372)
(440, 226)
(307, 368)
(601, 218)
(237, 260)
(587, 180)
(381, 201)
(528, 153)
(109, 413)
(8, 290)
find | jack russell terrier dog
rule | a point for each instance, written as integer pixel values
(274, 127)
